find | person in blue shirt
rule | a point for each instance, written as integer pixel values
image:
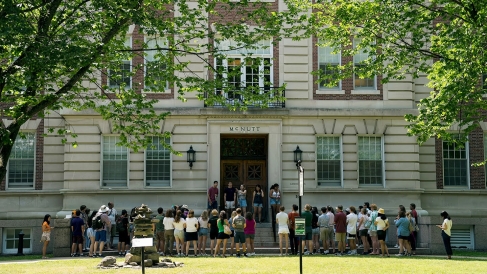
(402, 225)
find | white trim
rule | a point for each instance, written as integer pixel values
(170, 170)
(15, 250)
(364, 91)
(382, 162)
(101, 164)
(467, 156)
(329, 91)
(341, 159)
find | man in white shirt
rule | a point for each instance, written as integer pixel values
(112, 214)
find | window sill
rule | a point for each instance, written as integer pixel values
(365, 91)
(148, 91)
(331, 91)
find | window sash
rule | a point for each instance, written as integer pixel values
(158, 164)
(358, 58)
(114, 163)
(328, 63)
(329, 170)
(11, 239)
(370, 160)
(455, 164)
(120, 75)
(21, 166)
(153, 66)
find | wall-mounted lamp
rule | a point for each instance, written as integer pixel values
(298, 154)
(191, 157)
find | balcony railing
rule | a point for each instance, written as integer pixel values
(234, 99)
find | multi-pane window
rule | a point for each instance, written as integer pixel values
(328, 63)
(21, 166)
(329, 170)
(370, 164)
(114, 163)
(158, 164)
(358, 59)
(11, 240)
(154, 67)
(244, 71)
(121, 76)
(455, 164)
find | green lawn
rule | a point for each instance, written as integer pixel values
(270, 264)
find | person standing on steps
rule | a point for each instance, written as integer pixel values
(257, 202)
(212, 197)
(230, 198)
(242, 199)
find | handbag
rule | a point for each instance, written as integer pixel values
(227, 230)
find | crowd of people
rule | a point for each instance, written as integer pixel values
(326, 231)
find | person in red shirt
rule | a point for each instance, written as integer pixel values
(292, 230)
(414, 213)
(341, 229)
(212, 196)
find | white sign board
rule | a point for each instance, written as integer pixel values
(141, 242)
(301, 181)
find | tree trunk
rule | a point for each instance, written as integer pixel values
(6, 149)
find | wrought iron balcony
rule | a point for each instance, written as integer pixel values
(233, 99)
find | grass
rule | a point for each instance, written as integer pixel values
(261, 264)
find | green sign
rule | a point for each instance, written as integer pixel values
(300, 230)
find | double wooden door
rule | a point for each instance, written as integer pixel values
(247, 172)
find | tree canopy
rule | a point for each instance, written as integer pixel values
(55, 54)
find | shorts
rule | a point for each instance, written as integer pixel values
(101, 236)
(403, 237)
(229, 204)
(351, 236)
(242, 203)
(283, 230)
(213, 234)
(258, 204)
(46, 236)
(123, 237)
(363, 232)
(231, 235)
(250, 236)
(275, 201)
(213, 205)
(239, 237)
(316, 231)
(340, 236)
(203, 232)
(179, 234)
(325, 234)
(90, 232)
(222, 236)
(159, 235)
(308, 236)
(381, 234)
(190, 236)
(78, 239)
(373, 233)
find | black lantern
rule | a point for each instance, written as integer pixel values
(191, 156)
(298, 153)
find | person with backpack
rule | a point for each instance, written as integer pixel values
(91, 233)
(123, 233)
(363, 228)
(239, 237)
(101, 223)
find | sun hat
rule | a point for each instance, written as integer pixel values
(103, 209)
(381, 210)
(185, 206)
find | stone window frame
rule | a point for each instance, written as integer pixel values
(14, 250)
(13, 159)
(340, 160)
(382, 162)
(167, 153)
(103, 181)
(467, 164)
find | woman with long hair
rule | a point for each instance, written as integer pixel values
(315, 232)
(202, 233)
(212, 225)
(191, 234)
(382, 225)
(179, 225)
(232, 240)
(46, 234)
(249, 231)
(91, 233)
(402, 225)
(168, 233)
(242, 199)
(446, 233)
(222, 237)
(275, 198)
(258, 202)
(363, 230)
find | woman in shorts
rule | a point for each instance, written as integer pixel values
(275, 198)
(212, 224)
(46, 234)
(191, 234)
(382, 225)
(202, 232)
(249, 231)
(362, 230)
(315, 230)
(232, 240)
(402, 225)
(222, 237)
(179, 226)
(257, 202)
(90, 233)
(242, 199)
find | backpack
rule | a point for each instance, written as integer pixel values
(411, 226)
(368, 222)
(120, 226)
(239, 222)
(97, 223)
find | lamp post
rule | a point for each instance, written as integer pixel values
(191, 156)
(298, 153)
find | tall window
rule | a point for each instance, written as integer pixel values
(21, 166)
(158, 164)
(121, 76)
(329, 161)
(455, 164)
(11, 240)
(370, 160)
(154, 68)
(358, 59)
(328, 64)
(244, 71)
(114, 163)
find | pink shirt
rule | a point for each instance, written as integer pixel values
(212, 192)
(249, 227)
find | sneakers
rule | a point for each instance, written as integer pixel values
(246, 255)
(396, 246)
(238, 255)
(326, 252)
(306, 253)
(399, 255)
(338, 254)
(353, 252)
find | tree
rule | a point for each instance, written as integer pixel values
(443, 39)
(51, 51)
